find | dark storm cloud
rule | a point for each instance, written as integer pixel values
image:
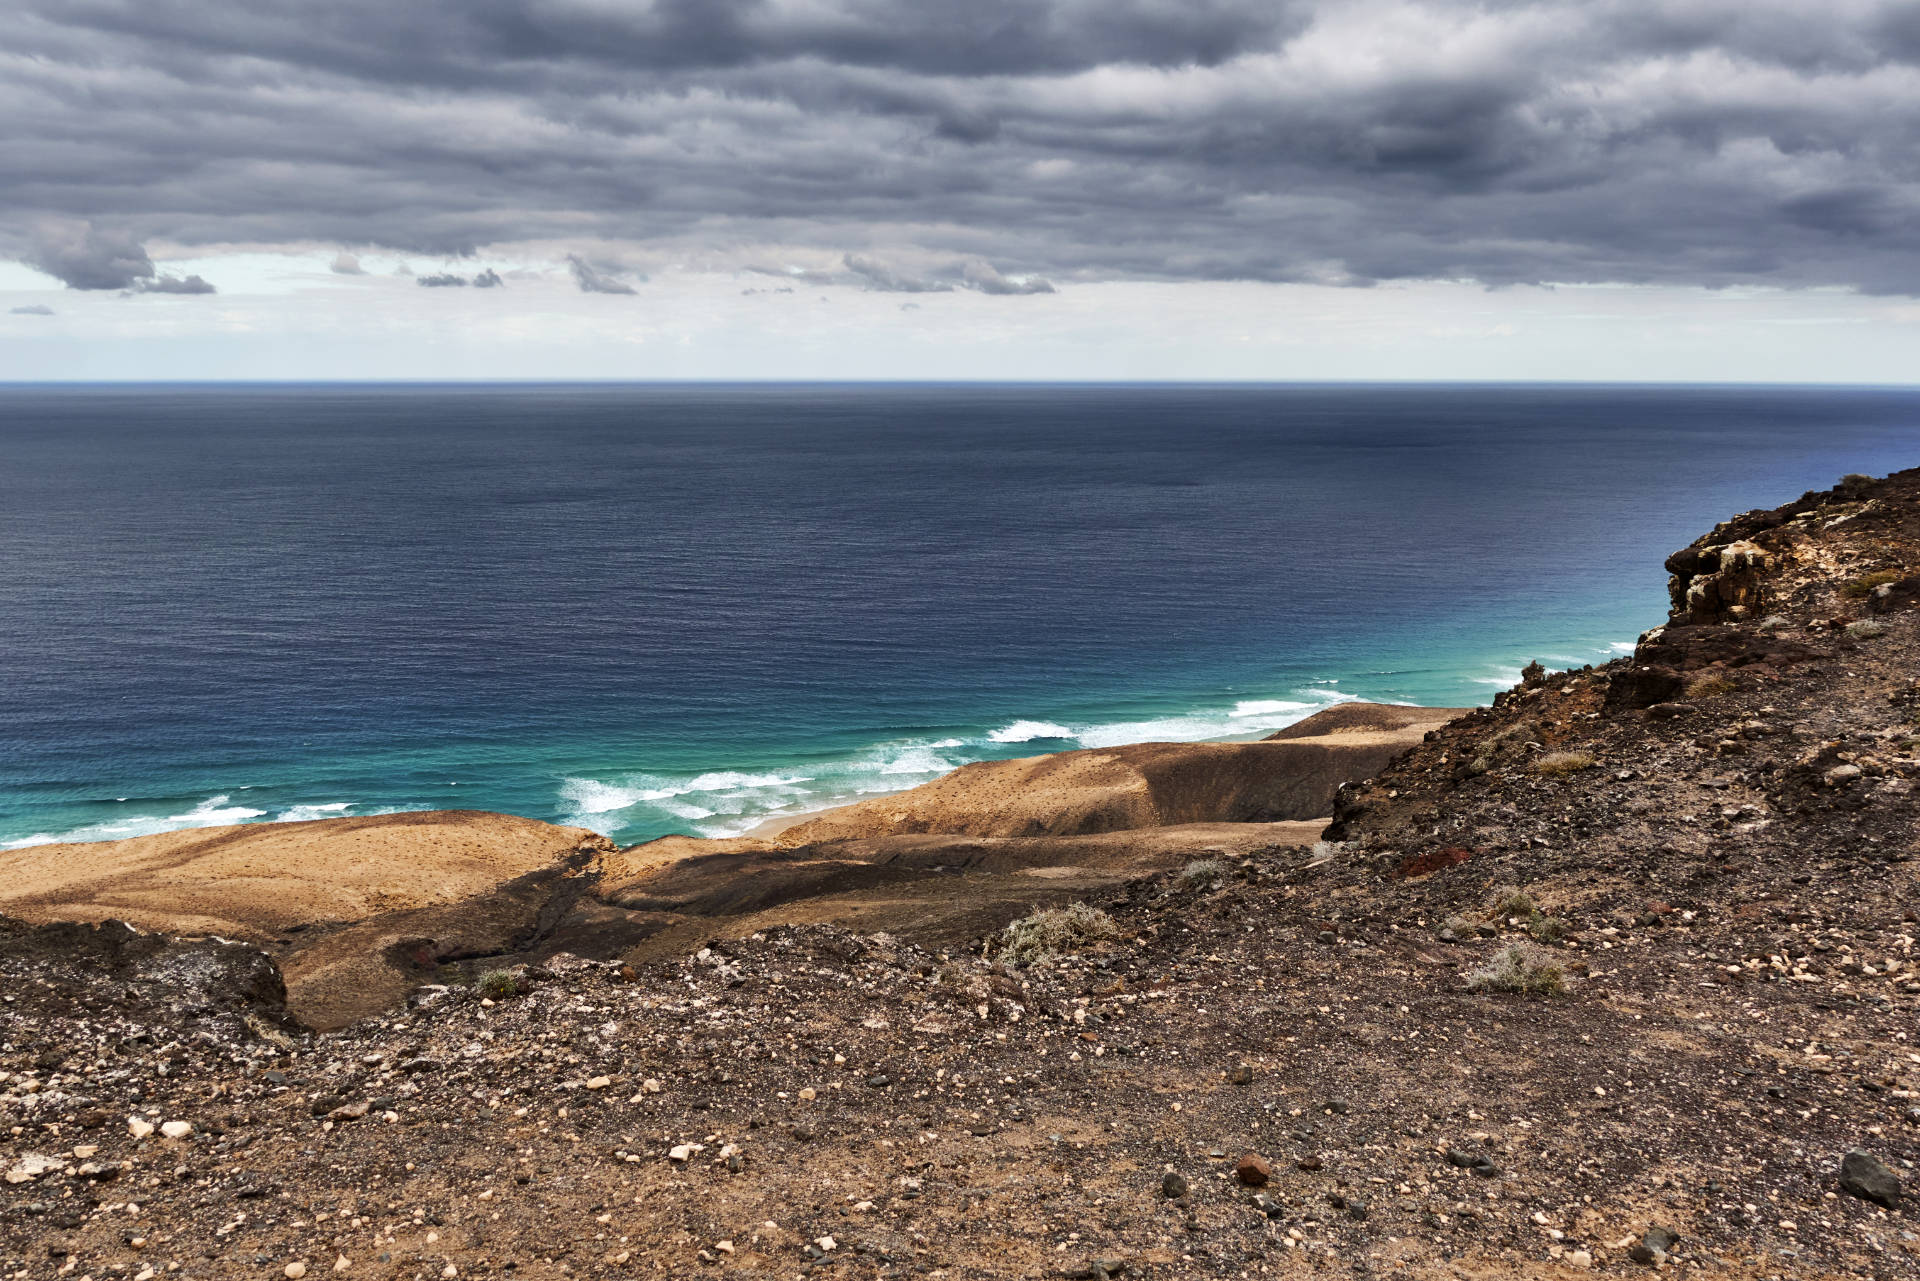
(488, 279)
(595, 278)
(177, 285)
(37, 309)
(876, 275)
(442, 280)
(83, 256)
(985, 277)
(1667, 141)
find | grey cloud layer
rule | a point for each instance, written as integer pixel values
(1674, 141)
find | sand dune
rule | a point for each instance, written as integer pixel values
(1143, 785)
(258, 879)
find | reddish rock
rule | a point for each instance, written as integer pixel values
(1433, 861)
(1253, 1170)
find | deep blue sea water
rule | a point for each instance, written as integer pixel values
(685, 608)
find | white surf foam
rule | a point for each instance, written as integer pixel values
(1028, 731)
(215, 811)
(307, 813)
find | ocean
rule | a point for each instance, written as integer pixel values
(689, 608)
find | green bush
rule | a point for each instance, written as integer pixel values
(498, 985)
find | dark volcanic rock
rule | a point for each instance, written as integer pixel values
(1868, 1177)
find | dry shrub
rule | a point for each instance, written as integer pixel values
(1521, 968)
(1036, 939)
(1516, 905)
(498, 984)
(1503, 746)
(1712, 685)
(1559, 764)
(1203, 874)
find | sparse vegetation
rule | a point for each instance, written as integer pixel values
(498, 984)
(1559, 764)
(1712, 685)
(1520, 968)
(1547, 929)
(1515, 902)
(1517, 907)
(1861, 587)
(1036, 939)
(1203, 874)
(1503, 746)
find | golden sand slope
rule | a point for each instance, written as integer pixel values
(1143, 785)
(258, 879)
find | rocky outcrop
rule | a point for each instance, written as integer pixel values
(149, 976)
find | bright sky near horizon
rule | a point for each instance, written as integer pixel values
(1641, 190)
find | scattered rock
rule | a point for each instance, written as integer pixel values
(1868, 1177)
(1253, 1170)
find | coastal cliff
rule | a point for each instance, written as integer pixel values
(1615, 974)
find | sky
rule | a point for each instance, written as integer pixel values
(1640, 190)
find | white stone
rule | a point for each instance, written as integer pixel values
(295, 1270)
(599, 1083)
(177, 1129)
(137, 1128)
(827, 1244)
(31, 1166)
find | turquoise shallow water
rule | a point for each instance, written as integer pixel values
(688, 608)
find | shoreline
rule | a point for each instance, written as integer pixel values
(636, 804)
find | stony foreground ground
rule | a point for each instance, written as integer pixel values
(1274, 1065)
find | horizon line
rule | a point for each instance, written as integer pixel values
(952, 382)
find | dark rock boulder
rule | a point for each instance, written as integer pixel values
(1866, 1176)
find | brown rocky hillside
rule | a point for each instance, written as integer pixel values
(1612, 977)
